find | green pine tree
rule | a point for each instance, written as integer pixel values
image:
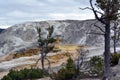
(107, 11)
(46, 45)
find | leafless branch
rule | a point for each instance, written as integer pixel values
(116, 29)
(49, 66)
(37, 61)
(95, 25)
(118, 37)
(99, 28)
(86, 8)
(90, 9)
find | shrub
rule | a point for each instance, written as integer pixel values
(25, 74)
(96, 66)
(114, 59)
(66, 73)
(6, 78)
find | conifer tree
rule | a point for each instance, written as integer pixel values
(107, 11)
(45, 44)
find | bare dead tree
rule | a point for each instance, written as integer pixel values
(81, 59)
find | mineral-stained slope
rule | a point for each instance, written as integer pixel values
(22, 36)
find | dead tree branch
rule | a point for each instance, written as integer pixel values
(99, 28)
(49, 65)
(91, 9)
(37, 61)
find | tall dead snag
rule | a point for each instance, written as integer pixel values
(105, 11)
(45, 45)
(80, 61)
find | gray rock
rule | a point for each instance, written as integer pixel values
(116, 72)
(119, 62)
(23, 36)
(116, 69)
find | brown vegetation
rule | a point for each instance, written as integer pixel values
(28, 52)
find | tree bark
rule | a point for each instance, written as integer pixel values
(114, 39)
(107, 52)
(42, 61)
(115, 46)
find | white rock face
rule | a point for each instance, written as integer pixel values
(22, 36)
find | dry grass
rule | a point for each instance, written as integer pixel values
(35, 51)
(55, 60)
(29, 52)
(68, 47)
(58, 56)
(58, 59)
(7, 57)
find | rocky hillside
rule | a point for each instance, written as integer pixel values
(21, 36)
